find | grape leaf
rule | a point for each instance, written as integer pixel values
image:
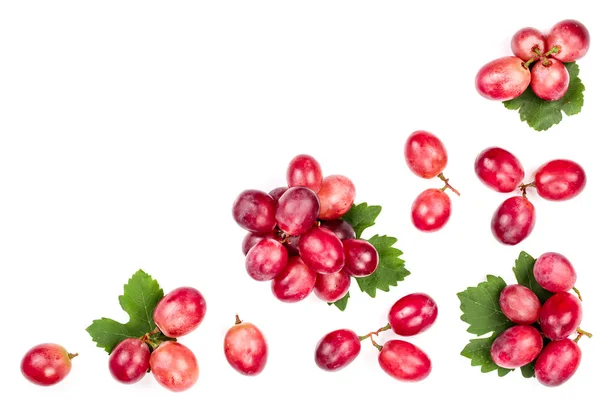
(140, 296)
(541, 114)
(361, 217)
(343, 302)
(390, 270)
(523, 270)
(478, 350)
(528, 370)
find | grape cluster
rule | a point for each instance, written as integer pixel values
(542, 331)
(426, 157)
(538, 61)
(173, 365)
(500, 170)
(297, 239)
(412, 314)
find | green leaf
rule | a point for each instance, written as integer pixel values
(478, 350)
(140, 297)
(528, 370)
(523, 270)
(343, 302)
(541, 114)
(481, 308)
(390, 270)
(361, 217)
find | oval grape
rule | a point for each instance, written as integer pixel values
(321, 250)
(527, 43)
(520, 304)
(499, 169)
(412, 314)
(305, 171)
(174, 366)
(425, 154)
(245, 348)
(295, 282)
(180, 312)
(342, 229)
(278, 192)
(46, 364)
(361, 257)
(558, 362)
(431, 210)
(560, 316)
(337, 350)
(560, 180)
(503, 79)
(336, 195)
(252, 238)
(254, 211)
(517, 346)
(573, 39)
(554, 272)
(129, 361)
(404, 361)
(513, 221)
(297, 210)
(549, 80)
(332, 287)
(266, 259)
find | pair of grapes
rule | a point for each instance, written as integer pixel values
(500, 170)
(296, 238)
(412, 314)
(426, 157)
(558, 318)
(508, 77)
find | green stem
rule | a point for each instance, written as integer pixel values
(378, 346)
(554, 50)
(447, 185)
(578, 293)
(528, 62)
(581, 333)
(377, 332)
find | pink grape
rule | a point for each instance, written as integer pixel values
(525, 41)
(560, 316)
(254, 211)
(513, 221)
(129, 361)
(337, 350)
(558, 362)
(252, 238)
(245, 348)
(180, 312)
(549, 80)
(361, 257)
(431, 210)
(503, 79)
(332, 287)
(560, 180)
(413, 314)
(554, 272)
(46, 364)
(499, 169)
(573, 39)
(266, 259)
(305, 171)
(404, 361)
(425, 154)
(297, 210)
(336, 195)
(321, 250)
(295, 282)
(174, 366)
(520, 304)
(517, 346)
(278, 192)
(342, 229)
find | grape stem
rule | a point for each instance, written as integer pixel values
(447, 185)
(237, 319)
(578, 293)
(554, 50)
(523, 188)
(378, 346)
(581, 333)
(536, 50)
(72, 356)
(376, 333)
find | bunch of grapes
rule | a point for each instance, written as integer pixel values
(412, 314)
(297, 239)
(538, 60)
(426, 157)
(542, 331)
(501, 171)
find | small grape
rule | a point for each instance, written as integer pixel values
(560, 180)
(431, 210)
(266, 259)
(252, 238)
(513, 221)
(174, 366)
(295, 282)
(549, 80)
(180, 312)
(342, 229)
(246, 348)
(336, 195)
(332, 287)
(413, 314)
(526, 41)
(297, 210)
(560, 316)
(572, 38)
(558, 362)
(278, 192)
(129, 361)
(46, 364)
(503, 79)
(404, 361)
(425, 154)
(337, 350)
(305, 171)
(554, 272)
(499, 169)
(254, 211)
(517, 346)
(321, 250)
(520, 304)
(361, 257)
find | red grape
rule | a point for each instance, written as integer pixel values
(503, 79)
(549, 80)
(499, 169)
(573, 39)
(246, 348)
(412, 314)
(174, 366)
(46, 364)
(520, 304)
(291, 244)
(305, 171)
(361, 258)
(129, 360)
(560, 180)
(295, 282)
(321, 250)
(404, 361)
(336, 195)
(252, 238)
(342, 229)
(525, 41)
(431, 210)
(425, 154)
(517, 346)
(278, 192)
(560, 316)
(337, 349)
(558, 362)
(332, 287)
(266, 259)
(514, 220)
(554, 272)
(297, 210)
(254, 211)
(180, 312)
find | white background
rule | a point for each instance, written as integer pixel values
(128, 128)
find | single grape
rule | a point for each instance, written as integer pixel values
(174, 366)
(254, 211)
(431, 210)
(337, 350)
(297, 210)
(332, 287)
(252, 238)
(266, 259)
(180, 312)
(404, 361)
(46, 364)
(571, 37)
(129, 361)
(295, 282)
(560, 180)
(549, 80)
(503, 79)
(245, 348)
(321, 250)
(425, 154)
(305, 171)
(336, 195)
(554, 272)
(558, 362)
(520, 304)
(361, 258)
(517, 346)
(291, 244)
(278, 192)
(526, 42)
(499, 169)
(412, 314)
(560, 316)
(513, 221)
(342, 229)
